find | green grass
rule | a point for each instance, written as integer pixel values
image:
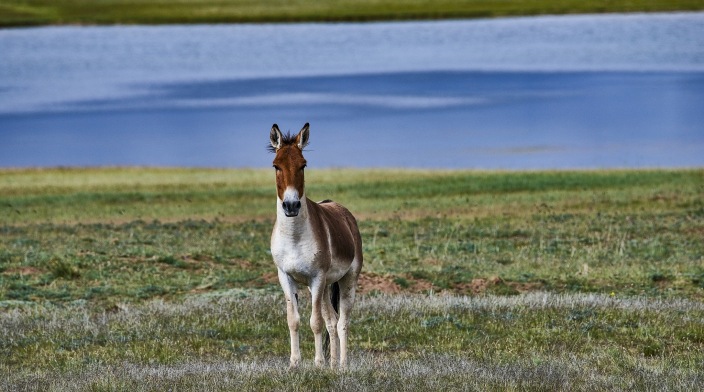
(40, 12)
(141, 279)
(133, 234)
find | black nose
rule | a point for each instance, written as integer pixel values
(291, 207)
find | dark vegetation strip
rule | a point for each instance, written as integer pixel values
(88, 12)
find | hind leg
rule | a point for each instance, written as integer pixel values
(348, 288)
(317, 291)
(330, 317)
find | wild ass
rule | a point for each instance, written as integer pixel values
(315, 244)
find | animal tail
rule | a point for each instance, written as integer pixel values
(335, 299)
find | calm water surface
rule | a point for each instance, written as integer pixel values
(518, 93)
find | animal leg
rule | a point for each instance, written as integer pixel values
(330, 317)
(317, 291)
(291, 293)
(348, 288)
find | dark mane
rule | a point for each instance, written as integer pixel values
(286, 140)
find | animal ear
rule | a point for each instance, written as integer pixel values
(275, 137)
(302, 138)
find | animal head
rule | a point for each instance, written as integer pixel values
(289, 164)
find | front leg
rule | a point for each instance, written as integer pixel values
(317, 289)
(291, 293)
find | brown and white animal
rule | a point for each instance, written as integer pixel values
(315, 244)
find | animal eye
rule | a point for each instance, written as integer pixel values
(277, 168)
(303, 167)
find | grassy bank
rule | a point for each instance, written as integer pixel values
(131, 234)
(114, 279)
(42, 12)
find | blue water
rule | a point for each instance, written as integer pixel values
(518, 93)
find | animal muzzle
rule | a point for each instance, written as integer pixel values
(291, 207)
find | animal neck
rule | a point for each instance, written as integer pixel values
(294, 225)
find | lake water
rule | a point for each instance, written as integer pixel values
(516, 93)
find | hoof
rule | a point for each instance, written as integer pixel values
(293, 365)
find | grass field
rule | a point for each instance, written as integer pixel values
(41, 12)
(148, 279)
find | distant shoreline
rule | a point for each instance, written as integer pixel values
(15, 13)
